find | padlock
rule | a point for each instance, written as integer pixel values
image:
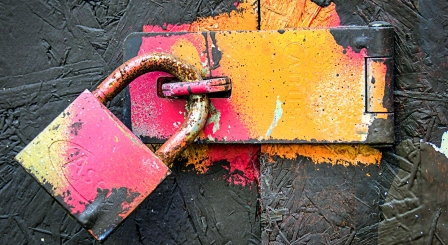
(93, 165)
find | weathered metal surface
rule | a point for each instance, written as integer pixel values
(93, 164)
(292, 86)
(212, 85)
(198, 104)
(379, 85)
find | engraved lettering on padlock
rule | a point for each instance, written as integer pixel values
(73, 167)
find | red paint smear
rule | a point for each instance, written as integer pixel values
(244, 167)
(110, 156)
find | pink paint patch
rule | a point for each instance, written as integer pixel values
(102, 153)
(160, 117)
(153, 116)
(228, 127)
(358, 56)
(244, 168)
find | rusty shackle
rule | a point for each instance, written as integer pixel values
(198, 104)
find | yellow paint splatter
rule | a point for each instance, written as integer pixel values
(47, 149)
(198, 156)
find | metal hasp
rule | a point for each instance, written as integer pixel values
(210, 86)
(94, 166)
(326, 85)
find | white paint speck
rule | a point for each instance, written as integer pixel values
(277, 115)
(444, 144)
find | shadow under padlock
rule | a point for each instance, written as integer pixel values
(93, 165)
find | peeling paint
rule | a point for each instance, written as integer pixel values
(443, 145)
(322, 103)
(277, 115)
(215, 117)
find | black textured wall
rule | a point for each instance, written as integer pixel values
(52, 50)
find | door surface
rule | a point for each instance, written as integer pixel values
(232, 194)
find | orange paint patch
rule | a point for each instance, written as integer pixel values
(293, 14)
(332, 154)
(376, 84)
(312, 88)
(198, 156)
(277, 14)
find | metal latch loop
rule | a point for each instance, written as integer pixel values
(198, 104)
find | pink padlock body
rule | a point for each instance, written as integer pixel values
(93, 165)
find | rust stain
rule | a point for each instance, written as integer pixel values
(181, 69)
(150, 108)
(333, 154)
